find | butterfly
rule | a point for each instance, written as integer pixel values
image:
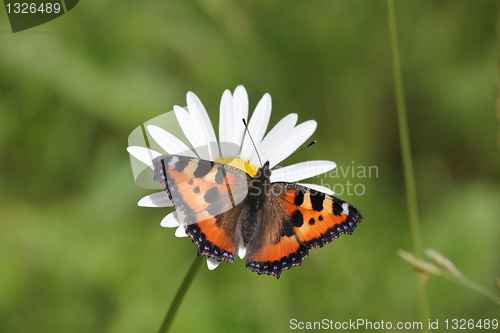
(223, 207)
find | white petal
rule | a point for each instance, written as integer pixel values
(257, 127)
(145, 155)
(169, 142)
(198, 111)
(240, 102)
(158, 199)
(293, 140)
(274, 138)
(212, 263)
(181, 231)
(302, 170)
(228, 145)
(240, 111)
(318, 188)
(242, 250)
(193, 131)
(170, 221)
(225, 111)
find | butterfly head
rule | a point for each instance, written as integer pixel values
(260, 184)
(264, 172)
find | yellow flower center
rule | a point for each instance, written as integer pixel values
(240, 164)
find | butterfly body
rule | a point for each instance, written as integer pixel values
(223, 208)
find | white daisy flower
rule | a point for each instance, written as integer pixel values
(234, 146)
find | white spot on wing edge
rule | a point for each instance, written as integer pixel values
(345, 208)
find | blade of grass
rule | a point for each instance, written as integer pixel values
(411, 192)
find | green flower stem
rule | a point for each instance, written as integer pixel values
(179, 296)
(411, 192)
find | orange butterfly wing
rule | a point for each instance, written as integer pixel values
(205, 194)
(302, 219)
(318, 218)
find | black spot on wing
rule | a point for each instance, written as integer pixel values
(196, 189)
(212, 195)
(181, 164)
(203, 168)
(317, 199)
(297, 219)
(220, 175)
(312, 221)
(299, 197)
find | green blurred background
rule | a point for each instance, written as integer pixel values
(78, 255)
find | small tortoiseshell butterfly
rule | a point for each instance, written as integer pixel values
(277, 222)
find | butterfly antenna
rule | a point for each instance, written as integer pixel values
(298, 151)
(253, 143)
